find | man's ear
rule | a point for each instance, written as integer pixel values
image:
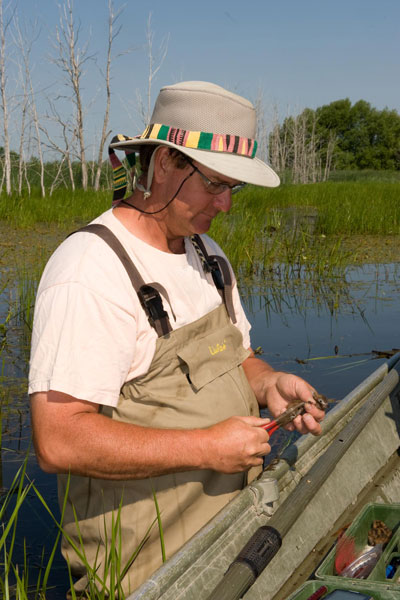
(163, 164)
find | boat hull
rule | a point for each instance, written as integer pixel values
(316, 488)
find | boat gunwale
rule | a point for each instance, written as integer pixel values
(252, 500)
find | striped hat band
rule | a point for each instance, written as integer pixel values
(201, 140)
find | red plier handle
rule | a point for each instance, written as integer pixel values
(271, 427)
(291, 413)
(297, 408)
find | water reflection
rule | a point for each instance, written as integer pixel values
(327, 334)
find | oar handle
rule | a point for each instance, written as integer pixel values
(247, 566)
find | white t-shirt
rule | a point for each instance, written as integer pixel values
(90, 334)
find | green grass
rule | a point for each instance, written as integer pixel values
(365, 175)
(302, 225)
(63, 207)
(103, 580)
(361, 206)
(298, 227)
(354, 207)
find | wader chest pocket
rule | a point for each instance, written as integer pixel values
(210, 357)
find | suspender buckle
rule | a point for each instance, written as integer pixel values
(151, 301)
(216, 274)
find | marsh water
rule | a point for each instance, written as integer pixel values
(332, 333)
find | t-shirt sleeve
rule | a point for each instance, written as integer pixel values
(72, 321)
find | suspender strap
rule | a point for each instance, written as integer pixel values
(219, 269)
(148, 293)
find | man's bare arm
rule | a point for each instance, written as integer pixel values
(70, 435)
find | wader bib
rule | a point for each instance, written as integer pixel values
(195, 380)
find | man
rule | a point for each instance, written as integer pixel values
(142, 378)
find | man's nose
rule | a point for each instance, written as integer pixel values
(223, 201)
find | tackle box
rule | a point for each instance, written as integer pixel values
(310, 587)
(386, 572)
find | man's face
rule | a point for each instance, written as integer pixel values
(195, 206)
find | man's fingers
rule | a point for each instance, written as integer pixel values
(306, 423)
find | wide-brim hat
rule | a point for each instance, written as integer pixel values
(210, 125)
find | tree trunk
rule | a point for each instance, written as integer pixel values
(4, 101)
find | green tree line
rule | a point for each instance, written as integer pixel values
(339, 136)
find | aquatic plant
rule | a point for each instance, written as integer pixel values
(64, 207)
(261, 239)
(335, 207)
(15, 579)
(352, 207)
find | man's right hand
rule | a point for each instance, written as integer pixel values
(236, 445)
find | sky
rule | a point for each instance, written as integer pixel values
(292, 53)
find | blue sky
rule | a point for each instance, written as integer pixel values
(297, 53)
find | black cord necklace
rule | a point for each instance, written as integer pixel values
(154, 212)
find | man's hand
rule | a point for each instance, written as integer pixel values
(277, 390)
(288, 388)
(236, 444)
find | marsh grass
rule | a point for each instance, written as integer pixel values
(16, 318)
(352, 207)
(363, 206)
(63, 207)
(260, 241)
(304, 226)
(365, 175)
(27, 280)
(103, 580)
(298, 225)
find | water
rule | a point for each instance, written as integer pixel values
(324, 333)
(331, 345)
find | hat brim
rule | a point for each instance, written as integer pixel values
(241, 168)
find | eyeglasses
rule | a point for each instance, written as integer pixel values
(216, 187)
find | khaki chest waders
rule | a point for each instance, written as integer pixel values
(195, 380)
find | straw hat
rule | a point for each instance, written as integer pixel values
(210, 125)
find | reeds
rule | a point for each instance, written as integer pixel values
(303, 226)
(345, 207)
(104, 581)
(353, 207)
(64, 207)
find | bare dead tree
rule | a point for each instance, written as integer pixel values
(24, 41)
(23, 118)
(112, 34)
(302, 149)
(155, 63)
(3, 173)
(262, 127)
(278, 144)
(58, 176)
(4, 25)
(332, 141)
(296, 147)
(70, 59)
(69, 136)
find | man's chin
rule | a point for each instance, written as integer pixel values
(203, 225)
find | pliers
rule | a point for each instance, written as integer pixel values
(297, 408)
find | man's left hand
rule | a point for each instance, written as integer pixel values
(277, 390)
